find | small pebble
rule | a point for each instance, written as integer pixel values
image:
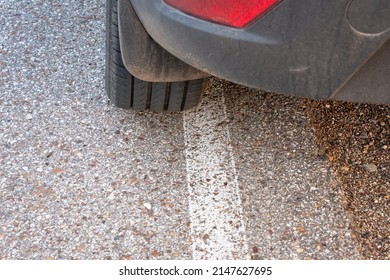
(371, 167)
(148, 206)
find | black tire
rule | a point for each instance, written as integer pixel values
(127, 92)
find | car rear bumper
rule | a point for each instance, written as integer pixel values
(304, 48)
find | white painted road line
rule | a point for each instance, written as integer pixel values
(218, 230)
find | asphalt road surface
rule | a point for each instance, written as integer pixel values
(240, 177)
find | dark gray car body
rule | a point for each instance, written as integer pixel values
(320, 49)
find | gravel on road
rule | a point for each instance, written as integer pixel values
(355, 138)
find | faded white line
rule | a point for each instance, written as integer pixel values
(218, 230)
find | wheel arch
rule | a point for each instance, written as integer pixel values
(146, 59)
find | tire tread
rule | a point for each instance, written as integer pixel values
(128, 92)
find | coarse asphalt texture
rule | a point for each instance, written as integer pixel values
(243, 176)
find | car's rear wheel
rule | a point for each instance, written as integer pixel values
(126, 91)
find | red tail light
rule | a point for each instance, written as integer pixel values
(235, 13)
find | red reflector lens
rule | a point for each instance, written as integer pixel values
(235, 13)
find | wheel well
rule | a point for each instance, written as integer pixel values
(143, 57)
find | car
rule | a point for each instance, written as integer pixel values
(160, 52)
